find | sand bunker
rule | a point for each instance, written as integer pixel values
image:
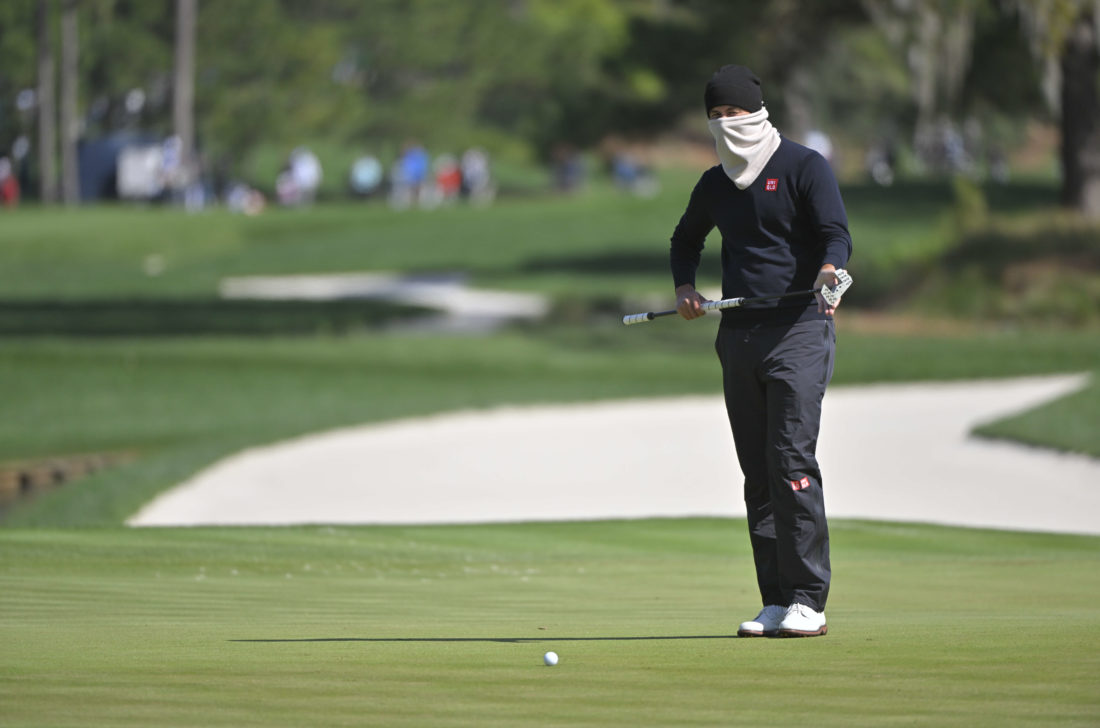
(888, 452)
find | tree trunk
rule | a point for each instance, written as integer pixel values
(47, 105)
(1080, 110)
(70, 121)
(183, 97)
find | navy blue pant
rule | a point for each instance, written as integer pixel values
(774, 379)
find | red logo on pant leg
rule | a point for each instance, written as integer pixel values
(771, 184)
(800, 484)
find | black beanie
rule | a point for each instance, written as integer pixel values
(734, 86)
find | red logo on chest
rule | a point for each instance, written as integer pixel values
(771, 185)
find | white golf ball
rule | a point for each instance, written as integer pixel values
(550, 658)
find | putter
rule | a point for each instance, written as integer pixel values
(831, 296)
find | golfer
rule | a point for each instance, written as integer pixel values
(784, 228)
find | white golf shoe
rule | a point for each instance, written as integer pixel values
(801, 621)
(766, 623)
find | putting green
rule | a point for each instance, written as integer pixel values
(447, 625)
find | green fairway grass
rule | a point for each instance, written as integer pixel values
(412, 626)
(446, 626)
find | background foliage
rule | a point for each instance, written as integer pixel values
(522, 77)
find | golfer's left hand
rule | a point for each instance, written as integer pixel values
(827, 277)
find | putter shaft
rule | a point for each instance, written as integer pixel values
(831, 295)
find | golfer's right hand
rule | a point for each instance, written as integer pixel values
(688, 302)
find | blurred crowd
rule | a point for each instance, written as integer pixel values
(147, 169)
(622, 163)
(414, 179)
(142, 168)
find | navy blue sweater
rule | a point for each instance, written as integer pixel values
(776, 234)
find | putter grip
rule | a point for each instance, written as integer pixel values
(721, 305)
(637, 318)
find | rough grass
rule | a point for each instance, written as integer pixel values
(447, 626)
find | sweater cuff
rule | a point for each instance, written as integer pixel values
(837, 257)
(677, 282)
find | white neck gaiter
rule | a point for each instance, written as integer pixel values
(744, 144)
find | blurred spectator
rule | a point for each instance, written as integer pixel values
(286, 187)
(9, 185)
(365, 177)
(954, 148)
(628, 171)
(409, 175)
(195, 195)
(568, 168)
(477, 182)
(624, 169)
(171, 165)
(448, 178)
(880, 161)
(241, 198)
(305, 168)
(940, 147)
(633, 176)
(20, 149)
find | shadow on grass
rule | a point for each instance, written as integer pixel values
(515, 640)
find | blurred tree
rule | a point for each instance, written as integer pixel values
(971, 59)
(1080, 111)
(671, 49)
(935, 37)
(1063, 34)
(861, 86)
(525, 75)
(46, 102)
(262, 75)
(70, 121)
(1003, 75)
(791, 40)
(673, 46)
(183, 85)
(513, 68)
(126, 65)
(18, 99)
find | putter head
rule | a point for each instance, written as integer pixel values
(832, 295)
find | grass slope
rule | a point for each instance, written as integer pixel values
(447, 625)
